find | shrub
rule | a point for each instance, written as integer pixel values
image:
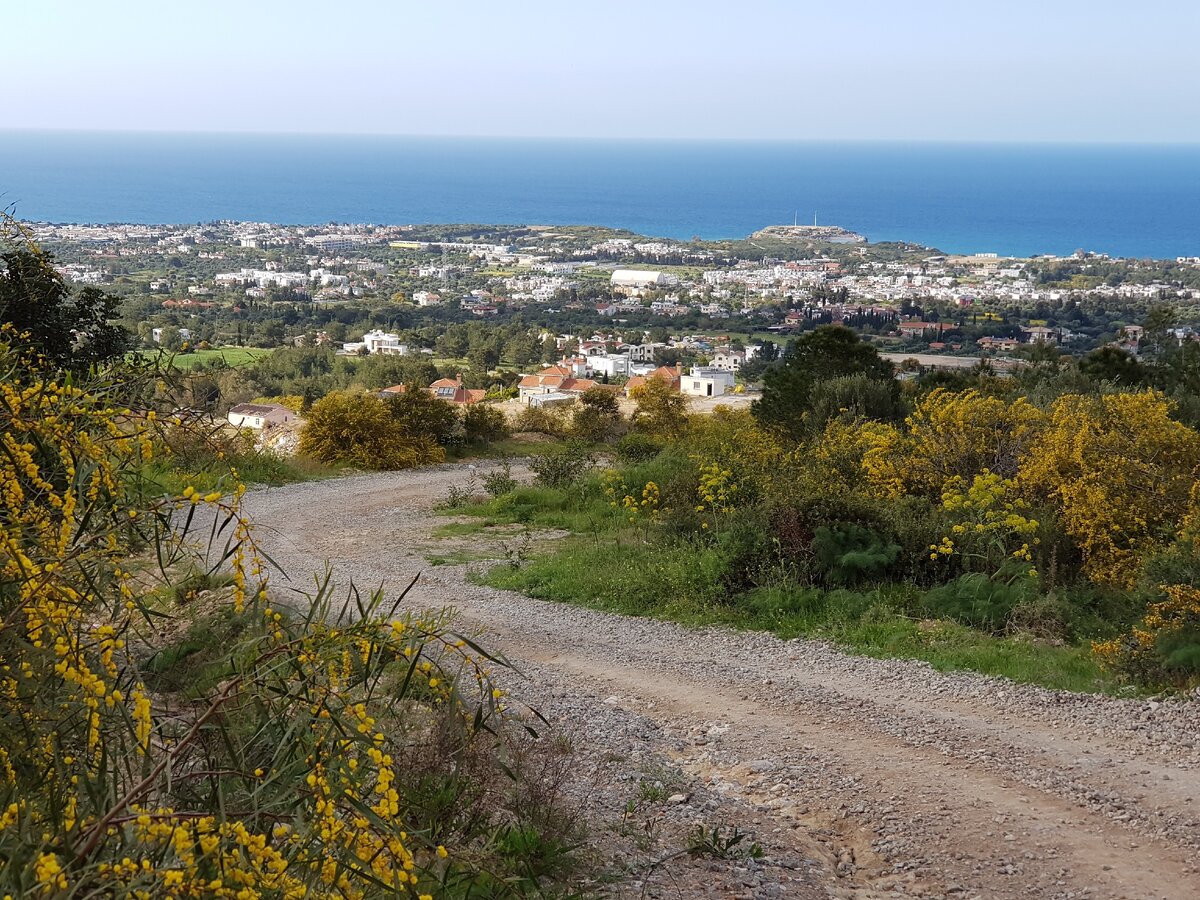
(499, 481)
(1164, 648)
(637, 447)
(361, 430)
(659, 409)
(311, 745)
(551, 420)
(1120, 471)
(422, 416)
(457, 495)
(562, 468)
(483, 424)
(849, 554)
(854, 398)
(597, 416)
(979, 601)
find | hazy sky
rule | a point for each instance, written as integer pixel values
(1068, 70)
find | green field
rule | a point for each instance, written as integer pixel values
(232, 356)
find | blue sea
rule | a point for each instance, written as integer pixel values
(1127, 200)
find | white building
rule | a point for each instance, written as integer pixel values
(729, 360)
(614, 366)
(328, 242)
(260, 415)
(377, 341)
(639, 278)
(706, 381)
(156, 334)
(325, 278)
(262, 278)
(426, 298)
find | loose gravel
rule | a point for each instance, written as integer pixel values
(858, 777)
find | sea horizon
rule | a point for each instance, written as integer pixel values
(1012, 198)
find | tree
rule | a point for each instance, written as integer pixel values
(1114, 365)
(597, 415)
(1160, 319)
(71, 332)
(659, 409)
(361, 430)
(483, 424)
(831, 351)
(422, 415)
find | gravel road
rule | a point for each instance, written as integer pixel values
(860, 778)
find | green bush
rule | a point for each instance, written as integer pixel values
(853, 397)
(978, 600)
(597, 417)
(849, 554)
(360, 430)
(499, 481)
(552, 421)
(422, 416)
(637, 446)
(1179, 652)
(561, 468)
(483, 424)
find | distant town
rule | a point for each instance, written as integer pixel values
(622, 303)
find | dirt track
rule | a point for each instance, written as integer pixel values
(860, 778)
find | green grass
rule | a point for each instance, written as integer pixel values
(608, 564)
(579, 510)
(459, 557)
(459, 529)
(683, 584)
(508, 447)
(231, 356)
(160, 477)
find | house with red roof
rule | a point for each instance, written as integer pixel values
(672, 375)
(559, 379)
(449, 389)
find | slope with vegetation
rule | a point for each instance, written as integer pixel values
(170, 728)
(1042, 527)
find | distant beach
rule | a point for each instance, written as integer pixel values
(1125, 200)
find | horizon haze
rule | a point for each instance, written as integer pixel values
(934, 71)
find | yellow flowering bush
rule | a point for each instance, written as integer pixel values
(731, 440)
(991, 526)
(636, 506)
(285, 779)
(850, 454)
(717, 489)
(954, 434)
(1121, 471)
(1165, 646)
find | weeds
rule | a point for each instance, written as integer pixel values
(519, 553)
(458, 495)
(499, 481)
(721, 842)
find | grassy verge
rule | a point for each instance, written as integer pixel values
(611, 565)
(506, 447)
(253, 469)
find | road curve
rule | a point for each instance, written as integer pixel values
(860, 777)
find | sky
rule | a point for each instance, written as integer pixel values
(969, 70)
